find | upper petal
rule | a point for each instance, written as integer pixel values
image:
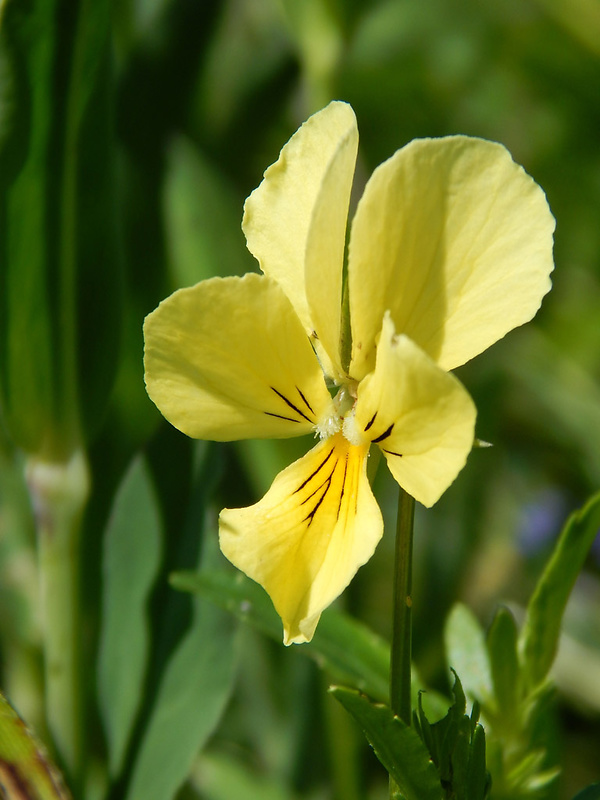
(304, 541)
(455, 239)
(229, 359)
(295, 221)
(421, 417)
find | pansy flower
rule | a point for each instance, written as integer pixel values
(449, 249)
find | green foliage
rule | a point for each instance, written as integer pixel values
(504, 663)
(180, 712)
(396, 745)
(507, 672)
(132, 545)
(465, 646)
(347, 651)
(189, 703)
(444, 759)
(59, 286)
(539, 638)
(457, 746)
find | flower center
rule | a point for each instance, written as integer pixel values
(340, 416)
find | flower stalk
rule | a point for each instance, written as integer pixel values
(59, 492)
(400, 662)
(400, 695)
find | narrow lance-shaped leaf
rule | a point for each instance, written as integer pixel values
(189, 704)
(541, 630)
(504, 662)
(131, 559)
(199, 668)
(467, 653)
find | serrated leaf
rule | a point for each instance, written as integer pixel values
(191, 698)
(442, 736)
(25, 770)
(504, 662)
(457, 746)
(396, 745)
(131, 560)
(541, 630)
(467, 653)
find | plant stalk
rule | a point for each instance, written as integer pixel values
(400, 661)
(59, 492)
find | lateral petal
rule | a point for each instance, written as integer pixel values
(305, 540)
(229, 359)
(421, 417)
(455, 239)
(295, 222)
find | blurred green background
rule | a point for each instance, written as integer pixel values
(197, 99)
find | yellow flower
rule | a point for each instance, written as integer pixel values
(450, 248)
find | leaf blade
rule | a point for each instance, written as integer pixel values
(538, 642)
(191, 698)
(396, 745)
(131, 560)
(467, 653)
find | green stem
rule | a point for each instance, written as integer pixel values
(400, 663)
(59, 492)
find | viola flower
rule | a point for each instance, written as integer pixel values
(449, 249)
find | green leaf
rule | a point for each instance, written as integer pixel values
(541, 630)
(343, 647)
(192, 695)
(467, 652)
(396, 745)
(457, 746)
(478, 781)
(59, 299)
(347, 650)
(591, 792)
(131, 559)
(25, 771)
(504, 662)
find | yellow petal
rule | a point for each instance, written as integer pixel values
(229, 359)
(455, 239)
(295, 222)
(304, 541)
(421, 417)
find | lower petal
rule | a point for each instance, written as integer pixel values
(305, 540)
